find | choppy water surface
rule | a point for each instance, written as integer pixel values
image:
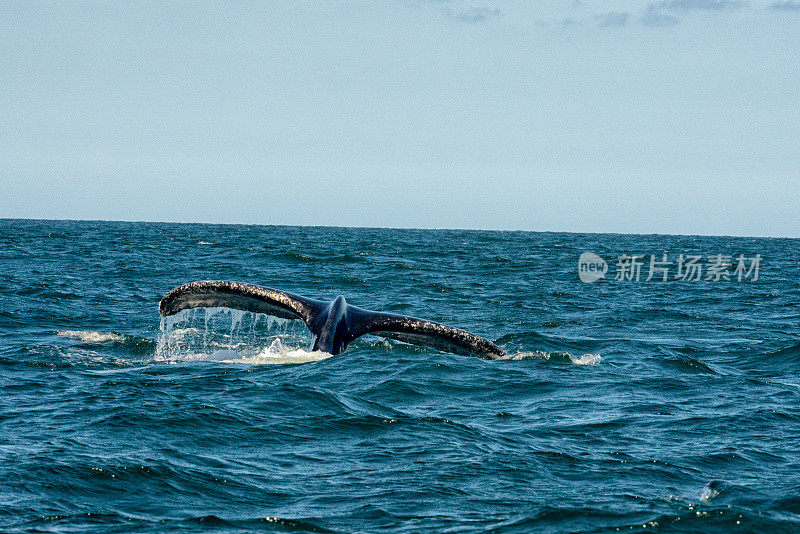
(623, 405)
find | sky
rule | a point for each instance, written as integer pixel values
(666, 116)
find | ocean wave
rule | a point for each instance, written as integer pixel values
(556, 356)
(93, 336)
(273, 354)
(684, 389)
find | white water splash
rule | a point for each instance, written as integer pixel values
(232, 336)
(708, 493)
(585, 359)
(277, 353)
(92, 336)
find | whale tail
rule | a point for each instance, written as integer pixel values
(334, 324)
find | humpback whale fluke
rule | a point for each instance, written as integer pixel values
(334, 324)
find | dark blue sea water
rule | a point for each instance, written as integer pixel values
(623, 405)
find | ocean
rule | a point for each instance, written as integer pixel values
(624, 404)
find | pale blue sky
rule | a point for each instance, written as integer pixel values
(676, 116)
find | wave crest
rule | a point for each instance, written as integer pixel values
(556, 356)
(92, 336)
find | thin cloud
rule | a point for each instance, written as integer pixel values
(701, 5)
(474, 15)
(612, 19)
(789, 5)
(662, 13)
(655, 16)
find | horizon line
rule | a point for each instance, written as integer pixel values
(415, 228)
